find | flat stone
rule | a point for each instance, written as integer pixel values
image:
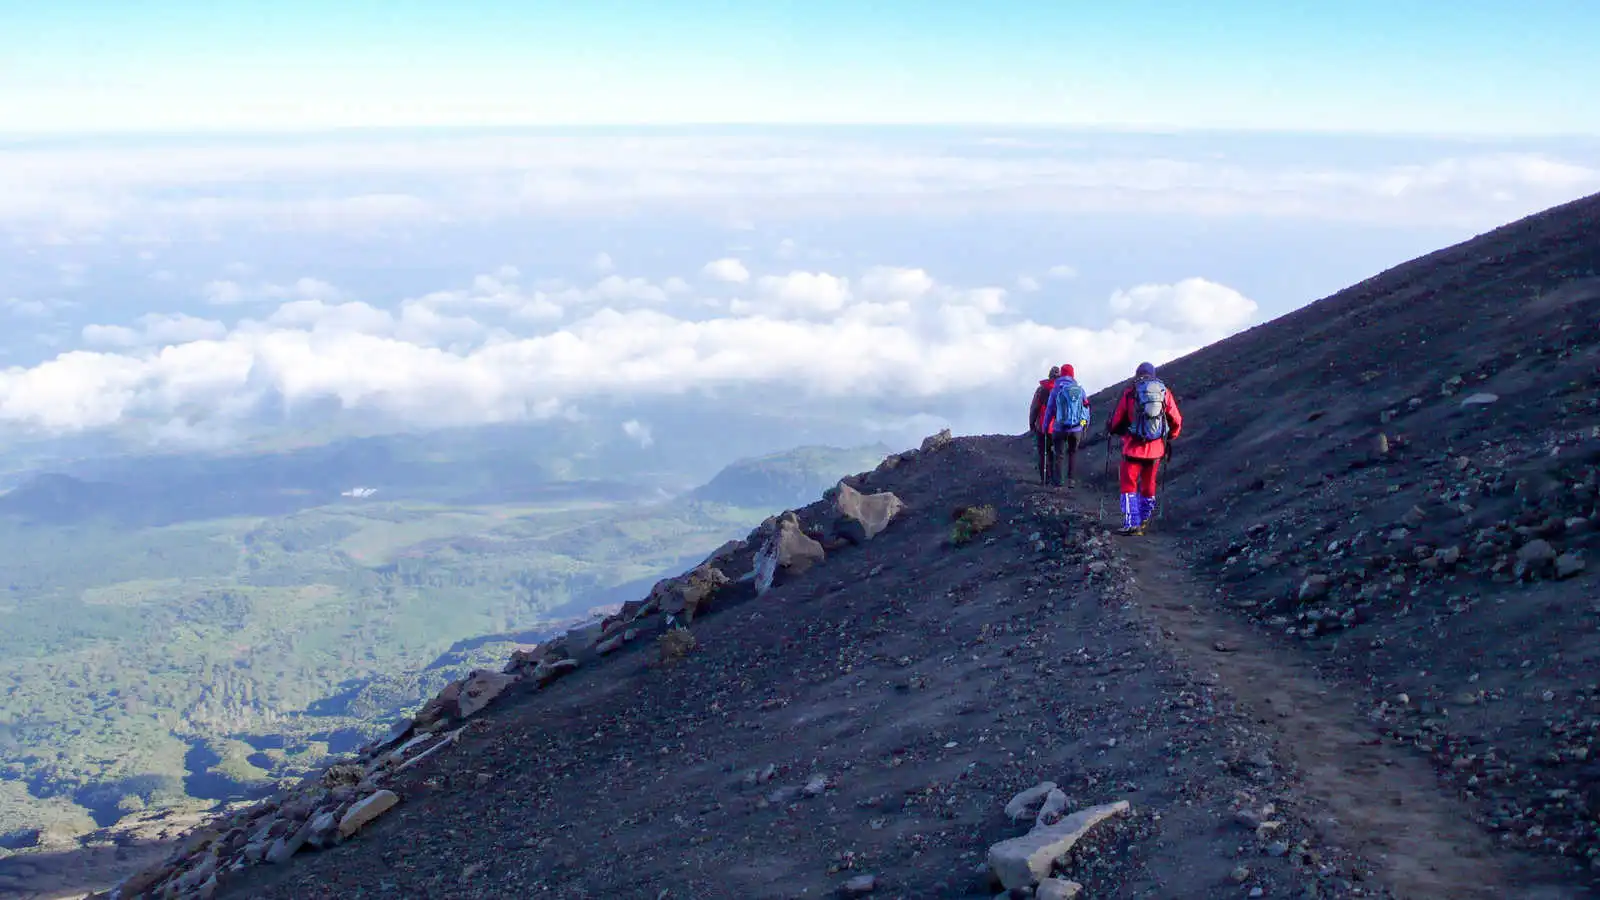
(860, 886)
(1022, 805)
(367, 810)
(1314, 588)
(581, 640)
(324, 829)
(1568, 565)
(398, 732)
(1480, 399)
(197, 876)
(1536, 552)
(480, 689)
(1022, 862)
(546, 672)
(1058, 889)
(288, 845)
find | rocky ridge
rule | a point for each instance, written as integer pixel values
(333, 806)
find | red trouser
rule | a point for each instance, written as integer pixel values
(1138, 476)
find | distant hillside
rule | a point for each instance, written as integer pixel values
(55, 499)
(202, 627)
(792, 478)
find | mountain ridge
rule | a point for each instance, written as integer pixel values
(1352, 660)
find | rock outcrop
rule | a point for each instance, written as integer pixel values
(864, 516)
(685, 595)
(788, 552)
(480, 690)
(936, 441)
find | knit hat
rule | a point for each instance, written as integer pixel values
(1145, 370)
(1055, 371)
(1066, 369)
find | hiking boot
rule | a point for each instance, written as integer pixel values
(1131, 531)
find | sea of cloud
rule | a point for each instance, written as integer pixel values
(500, 350)
(516, 342)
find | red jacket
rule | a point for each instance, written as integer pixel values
(1036, 411)
(1134, 447)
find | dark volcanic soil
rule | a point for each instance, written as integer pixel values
(1357, 656)
(924, 684)
(1449, 577)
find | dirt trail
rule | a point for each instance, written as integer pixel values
(1381, 801)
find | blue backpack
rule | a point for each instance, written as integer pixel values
(1072, 405)
(1149, 410)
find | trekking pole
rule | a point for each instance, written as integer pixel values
(1166, 463)
(1107, 481)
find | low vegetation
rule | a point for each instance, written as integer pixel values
(676, 644)
(971, 521)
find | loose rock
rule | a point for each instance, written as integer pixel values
(480, 688)
(1022, 805)
(860, 886)
(1024, 861)
(1058, 889)
(872, 512)
(787, 553)
(367, 810)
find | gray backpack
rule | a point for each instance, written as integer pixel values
(1149, 410)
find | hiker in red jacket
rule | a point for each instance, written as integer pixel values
(1038, 424)
(1147, 417)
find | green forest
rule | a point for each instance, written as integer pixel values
(205, 660)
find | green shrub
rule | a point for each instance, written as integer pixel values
(971, 521)
(676, 644)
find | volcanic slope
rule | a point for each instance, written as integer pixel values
(1401, 481)
(1331, 657)
(873, 715)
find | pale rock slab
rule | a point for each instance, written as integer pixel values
(1022, 862)
(368, 809)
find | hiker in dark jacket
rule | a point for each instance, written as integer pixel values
(1147, 417)
(1037, 425)
(1067, 411)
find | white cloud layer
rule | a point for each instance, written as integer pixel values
(1193, 304)
(224, 292)
(497, 351)
(729, 270)
(157, 191)
(154, 330)
(638, 431)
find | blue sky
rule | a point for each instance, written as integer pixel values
(1486, 68)
(428, 214)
